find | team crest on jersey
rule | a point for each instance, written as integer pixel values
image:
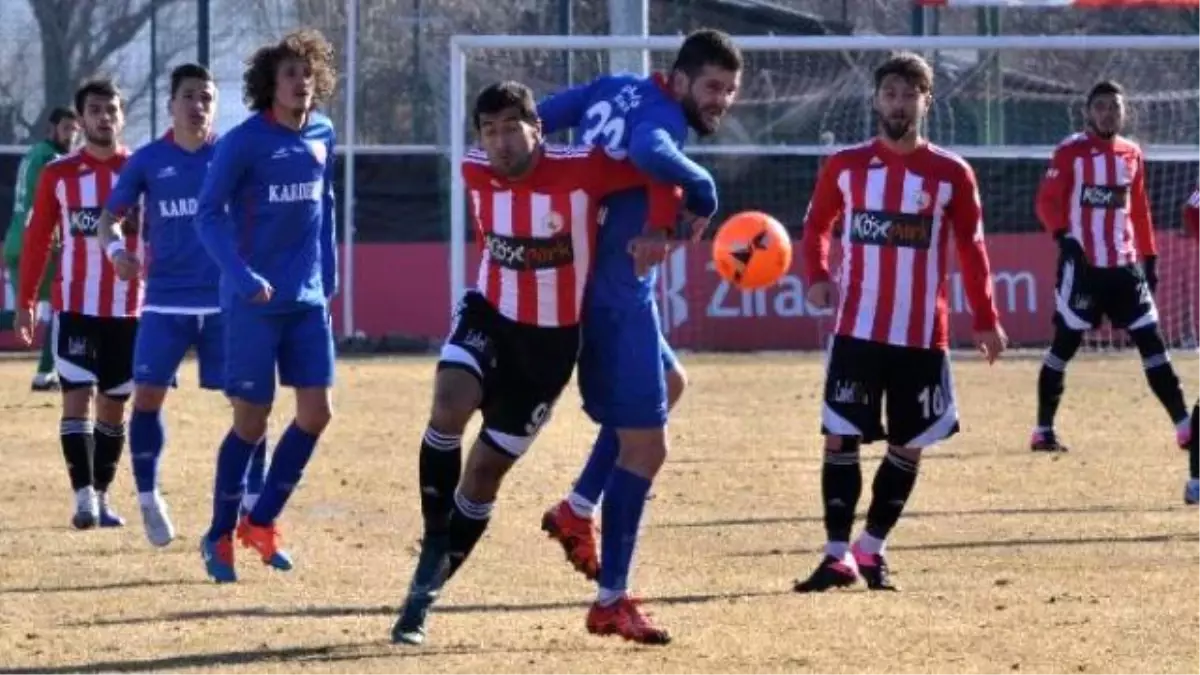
(318, 150)
(554, 222)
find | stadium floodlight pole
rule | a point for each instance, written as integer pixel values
(350, 141)
(458, 188)
(203, 32)
(629, 18)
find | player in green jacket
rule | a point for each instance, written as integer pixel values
(60, 138)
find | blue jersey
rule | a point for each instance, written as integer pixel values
(634, 116)
(180, 276)
(265, 213)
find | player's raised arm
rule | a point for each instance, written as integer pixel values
(966, 219)
(823, 209)
(609, 174)
(214, 224)
(653, 150)
(566, 108)
(35, 250)
(329, 260)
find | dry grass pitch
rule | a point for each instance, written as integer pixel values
(1010, 562)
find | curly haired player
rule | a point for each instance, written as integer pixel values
(266, 216)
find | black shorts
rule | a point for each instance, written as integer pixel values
(523, 369)
(1084, 295)
(92, 351)
(915, 382)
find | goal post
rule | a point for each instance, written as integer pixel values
(1002, 102)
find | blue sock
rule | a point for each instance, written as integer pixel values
(256, 474)
(624, 503)
(147, 434)
(292, 452)
(599, 466)
(232, 459)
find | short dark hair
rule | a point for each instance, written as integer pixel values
(61, 113)
(309, 44)
(103, 87)
(1105, 88)
(707, 47)
(912, 67)
(501, 96)
(188, 71)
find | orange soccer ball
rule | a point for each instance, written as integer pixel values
(752, 250)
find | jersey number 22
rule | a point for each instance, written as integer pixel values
(603, 128)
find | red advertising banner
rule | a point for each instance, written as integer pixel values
(403, 289)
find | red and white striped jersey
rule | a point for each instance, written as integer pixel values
(70, 196)
(538, 232)
(897, 213)
(1191, 215)
(1095, 189)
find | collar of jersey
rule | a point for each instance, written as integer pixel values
(113, 162)
(170, 138)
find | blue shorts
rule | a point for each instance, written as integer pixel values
(623, 363)
(164, 339)
(298, 343)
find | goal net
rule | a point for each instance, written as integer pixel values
(1002, 102)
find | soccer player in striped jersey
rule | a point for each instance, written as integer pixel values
(97, 310)
(515, 338)
(1093, 200)
(60, 139)
(900, 199)
(266, 216)
(1191, 491)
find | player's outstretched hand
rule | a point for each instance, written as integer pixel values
(992, 343)
(23, 325)
(127, 265)
(648, 249)
(264, 295)
(820, 295)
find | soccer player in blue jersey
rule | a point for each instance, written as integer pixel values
(265, 214)
(628, 375)
(181, 310)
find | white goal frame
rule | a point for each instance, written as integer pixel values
(461, 44)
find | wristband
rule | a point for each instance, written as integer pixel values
(113, 249)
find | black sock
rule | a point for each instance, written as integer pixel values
(841, 486)
(78, 447)
(1050, 391)
(1165, 385)
(440, 466)
(110, 442)
(1194, 445)
(893, 484)
(467, 523)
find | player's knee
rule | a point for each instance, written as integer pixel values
(643, 451)
(1149, 342)
(314, 409)
(250, 420)
(457, 394)
(109, 409)
(77, 402)
(676, 384)
(148, 398)
(1066, 343)
(842, 445)
(484, 472)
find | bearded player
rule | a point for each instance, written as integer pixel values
(1093, 201)
(628, 375)
(899, 199)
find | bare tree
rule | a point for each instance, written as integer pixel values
(76, 40)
